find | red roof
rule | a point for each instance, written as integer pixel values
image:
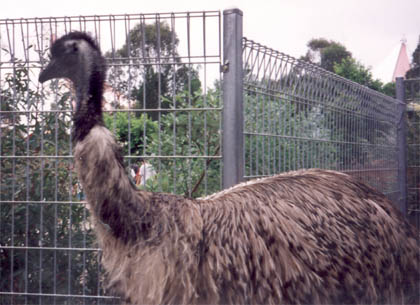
(403, 64)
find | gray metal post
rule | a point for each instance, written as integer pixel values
(233, 143)
(402, 145)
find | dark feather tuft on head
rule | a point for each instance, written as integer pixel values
(58, 45)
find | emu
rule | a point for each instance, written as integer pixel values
(303, 237)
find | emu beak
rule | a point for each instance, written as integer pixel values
(52, 70)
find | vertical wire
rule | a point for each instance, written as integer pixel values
(129, 114)
(82, 22)
(27, 182)
(270, 132)
(54, 30)
(247, 123)
(279, 115)
(11, 48)
(113, 43)
(246, 120)
(206, 139)
(174, 102)
(274, 127)
(70, 196)
(41, 216)
(257, 114)
(263, 137)
(189, 103)
(307, 148)
(336, 117)
(41, 207)
(220, 99)
(1, 147)
(143, 52)
(159, 68)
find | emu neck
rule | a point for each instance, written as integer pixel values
(115, 202)
(88, 105)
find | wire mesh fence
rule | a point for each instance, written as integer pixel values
(162, 103)
(298, 115)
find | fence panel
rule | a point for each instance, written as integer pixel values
(298, 115)
(161, 101)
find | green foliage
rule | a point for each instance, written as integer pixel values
(150, 41)
(330, 52)
(164, 82)
(39, 201)
(187, 139)
(353, 70)
(334, 57)
(389, 89)
(335, 53)
(132, 132)
(153, 71)
(414, 72)
(283, 135)
(158, 87)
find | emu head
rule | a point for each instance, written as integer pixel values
(77, 57)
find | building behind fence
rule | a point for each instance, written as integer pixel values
(166, 101)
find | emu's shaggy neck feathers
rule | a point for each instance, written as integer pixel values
(89, 99)
(114, 200)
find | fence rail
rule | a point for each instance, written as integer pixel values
(166, 101)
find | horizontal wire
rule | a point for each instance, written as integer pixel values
(42, 202)
(111, 18)
(51, 248)
(343, 171)
(269, 135)
(58, 295)
(24, 157)
(8, 65)
(134, 110)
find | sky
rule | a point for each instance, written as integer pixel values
(370, 29)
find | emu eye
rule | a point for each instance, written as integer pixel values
(74, 47)
(71, 47)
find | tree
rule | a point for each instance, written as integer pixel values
(414, 72)
(334, 57)
(326, 53)
(353, 70)
(133, 132)
(153, 69)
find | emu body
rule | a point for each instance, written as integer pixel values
(304, 237)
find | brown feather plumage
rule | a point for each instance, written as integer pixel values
(303, 237)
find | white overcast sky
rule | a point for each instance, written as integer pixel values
(370, 29)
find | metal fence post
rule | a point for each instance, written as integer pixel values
(402, 145)
(233, 142)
